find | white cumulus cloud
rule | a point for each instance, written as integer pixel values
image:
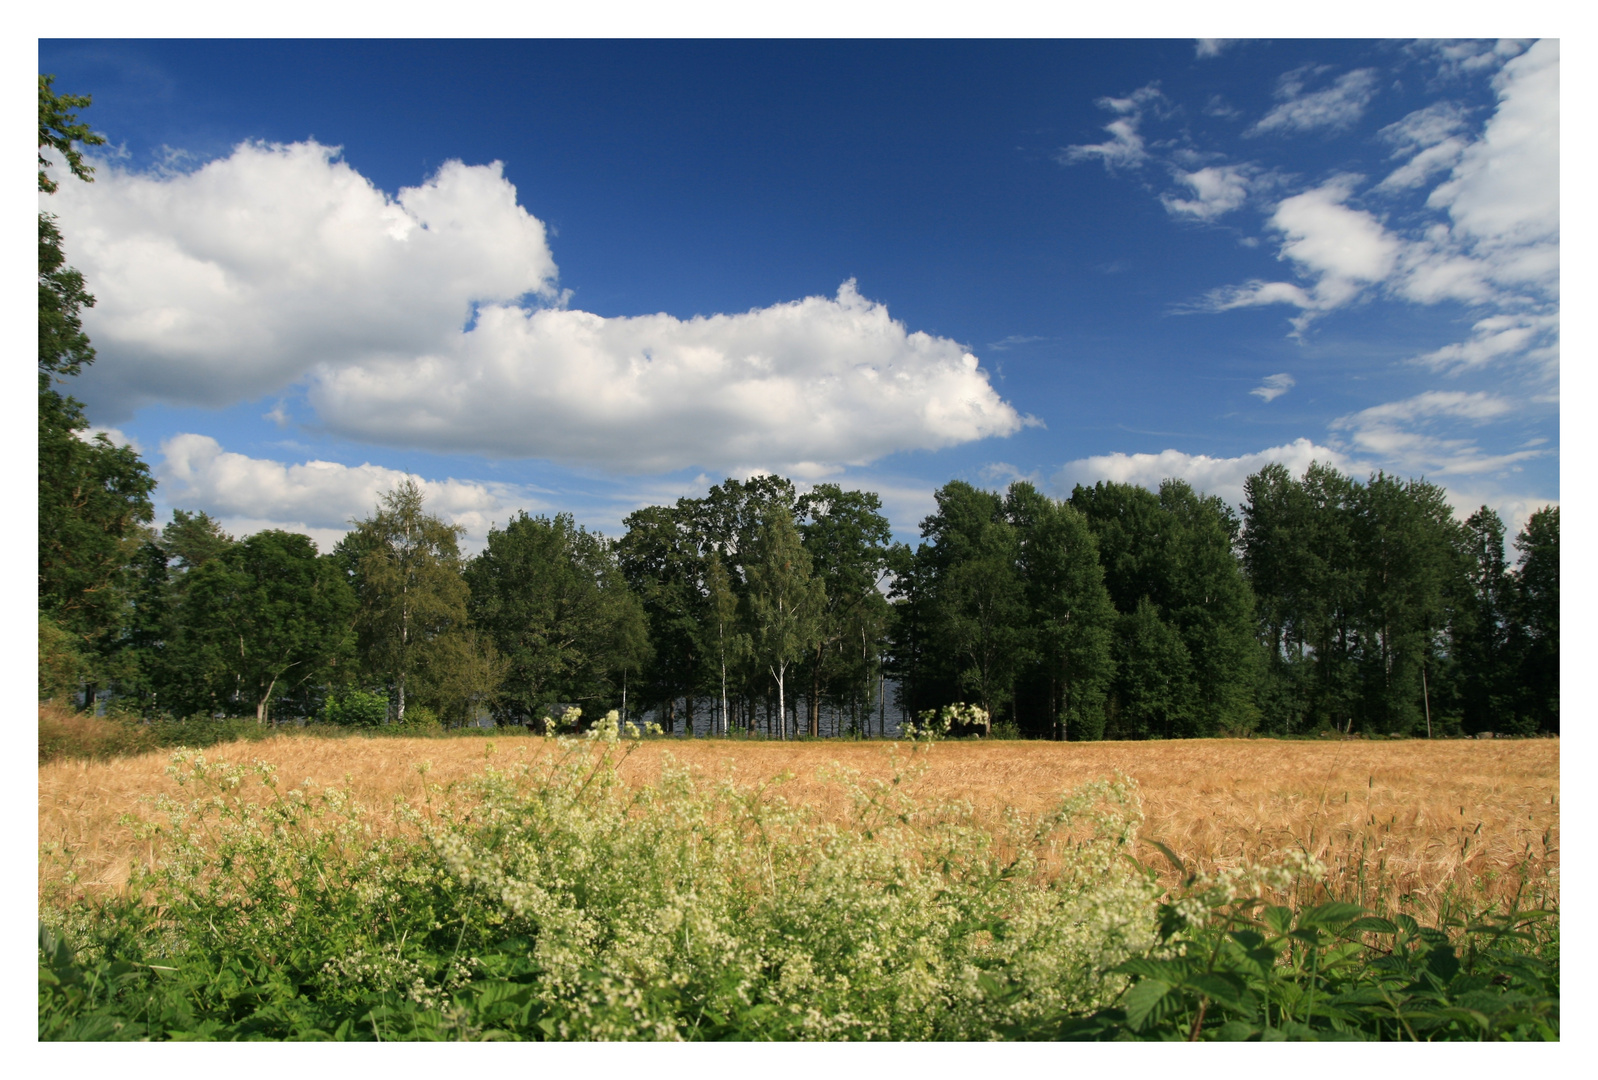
(1216, 190)
(431, 318)
(318, 498)
(234, 280)
(797, 387)
(1340, 248)
(1221, 476)
(1503, 195)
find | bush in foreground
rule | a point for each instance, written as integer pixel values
(551, 900)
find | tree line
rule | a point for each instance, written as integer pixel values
(1325, 602)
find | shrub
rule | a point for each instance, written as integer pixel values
(356, 708)
(65, 732)
(61, 665)
(420, 720)
(1232, 965)
(198, 732)
(551, 900)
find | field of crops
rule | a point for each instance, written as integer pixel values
(727, 889)
(1418, 819)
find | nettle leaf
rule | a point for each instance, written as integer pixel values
(1223, 986)
(1142, 1000)
(1370, 924)
(1171, 971)
(1263, 959)
(1331, 915)
(1442, 962)
(1278, 918)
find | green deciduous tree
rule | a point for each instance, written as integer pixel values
(660, 559)
(94, 496)
(264, 617)
(552, 598)
(1537, 589)
(1154, 679)
(1175, 549)
(972, 597)
(1069, 614)
(849, 542)
(1409, 554)
(414, 630)
(784, 603)
(724, 637)
(1483, 639)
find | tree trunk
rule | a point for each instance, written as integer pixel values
(815, 693)
(260, 706)
(782, 714)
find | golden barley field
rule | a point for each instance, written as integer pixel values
(1435, 826)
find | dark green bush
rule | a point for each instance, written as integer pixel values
(356, 708)
(1238, 968)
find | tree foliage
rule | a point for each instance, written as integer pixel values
(552, 599)
(94, 496)
(412, 622)
(784, 604)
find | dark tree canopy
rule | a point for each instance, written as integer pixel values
(552, 599)
(94, 497)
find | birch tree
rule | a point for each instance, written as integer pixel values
(784, 603)
(406, 567)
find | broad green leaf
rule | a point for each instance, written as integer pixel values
(1142, 999)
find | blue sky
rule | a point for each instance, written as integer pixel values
(588, 276)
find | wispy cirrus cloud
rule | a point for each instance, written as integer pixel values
(1015, 341)
(1427, 434)
(1125, 148)
(1335, 107)
(1493, 239)
(1430, 140)
(1529, 337)
(1274, 386)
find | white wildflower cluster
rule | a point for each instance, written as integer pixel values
(387, 968)
(935, 724)
(648, 908)
(569, 719)
(1244, 882)
(645, 911)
